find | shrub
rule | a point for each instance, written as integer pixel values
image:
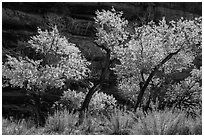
(118, 123)
(21, 127)
(61, 121)
(64, 123)
(167, 123)
(102, 102)
(72, 100)
(186, 95)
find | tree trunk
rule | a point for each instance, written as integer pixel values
(97, 86)
(156, 68)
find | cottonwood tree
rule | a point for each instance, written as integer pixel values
(162, 47)
(155, 48)
(61, 61)
(111, 33)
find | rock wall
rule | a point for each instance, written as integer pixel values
(75, 20)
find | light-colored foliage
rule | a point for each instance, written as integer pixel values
(187, 94)
(151, 44)
(21, 127)
(61, 61)
(73, 100)
(147, 47)
(102, 101)
(119, 123)
(69, 100)
(61, 121)
(167, 123)
(111, 30)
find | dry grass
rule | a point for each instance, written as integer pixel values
(119, 123)
(168, 123)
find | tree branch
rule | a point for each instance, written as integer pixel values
(140, 96)
(102, 46)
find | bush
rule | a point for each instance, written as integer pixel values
(69, 100)
(118, 123)
(167, 123)
(72, 100)
(102, 102)
(21, 127)
(61, 121)
(186, 95)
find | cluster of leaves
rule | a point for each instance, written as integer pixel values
(151, 43)
(69, 100)
(111, 30)
(61, 61)
(72, 100)
(102, 101)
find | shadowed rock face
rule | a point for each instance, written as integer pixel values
(76, 22)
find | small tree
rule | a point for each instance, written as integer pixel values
(61, 61)
(110, 33)
(155, 48)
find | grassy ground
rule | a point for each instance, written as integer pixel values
(119, 122)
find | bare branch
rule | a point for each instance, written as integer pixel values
(140, 96)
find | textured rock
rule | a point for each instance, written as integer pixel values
(75, 20)
(20, 20)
